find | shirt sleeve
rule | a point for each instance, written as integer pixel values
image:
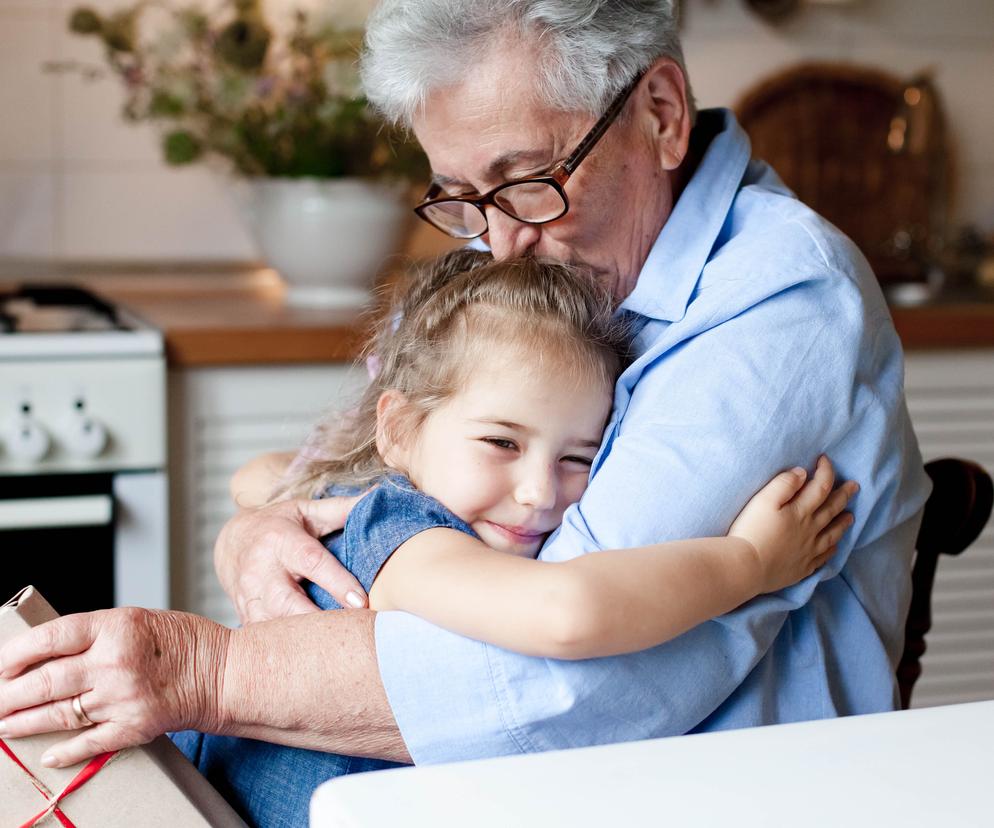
(694, 445)
(382, 521)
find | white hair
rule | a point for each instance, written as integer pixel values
(590, 49)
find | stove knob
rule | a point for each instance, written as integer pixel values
(84, 436)
(27, 439)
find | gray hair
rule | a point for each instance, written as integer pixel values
(591, 49)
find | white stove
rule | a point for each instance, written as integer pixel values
(83, 505)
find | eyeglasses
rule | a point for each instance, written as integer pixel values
(534, 200)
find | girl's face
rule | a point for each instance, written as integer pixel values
(512, 449)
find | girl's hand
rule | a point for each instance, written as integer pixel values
(794, 527)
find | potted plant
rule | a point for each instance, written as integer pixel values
(321, 176)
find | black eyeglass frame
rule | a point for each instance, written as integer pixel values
(555, 178)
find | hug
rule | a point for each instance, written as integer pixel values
(585, 497)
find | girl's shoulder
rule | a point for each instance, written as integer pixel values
(394, 510)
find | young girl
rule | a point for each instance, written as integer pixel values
(478, 431)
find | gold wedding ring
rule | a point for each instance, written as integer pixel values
(81, 717)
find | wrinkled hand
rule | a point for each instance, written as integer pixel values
(138, 673)
(794, 525)
(262, 555)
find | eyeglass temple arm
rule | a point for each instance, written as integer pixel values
(598, 129)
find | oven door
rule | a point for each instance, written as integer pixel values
(57, 533)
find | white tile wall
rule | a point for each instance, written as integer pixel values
(77, 182)
(183, 214)
(27, 211)
(27, 96)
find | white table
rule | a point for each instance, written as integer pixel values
(929, 767)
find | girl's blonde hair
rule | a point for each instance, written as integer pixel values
(448, 318)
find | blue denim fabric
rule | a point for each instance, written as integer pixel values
(271, 785)
(390, 514)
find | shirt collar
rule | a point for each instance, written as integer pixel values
(678, 256)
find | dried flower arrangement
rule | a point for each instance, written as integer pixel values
(225, 83)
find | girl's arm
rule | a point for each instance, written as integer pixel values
(252, 484)
(619, 601)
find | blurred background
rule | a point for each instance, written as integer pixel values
(877, 112)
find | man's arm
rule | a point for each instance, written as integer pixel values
(310, 681)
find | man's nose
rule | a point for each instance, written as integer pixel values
(509, 238)
(538, 487)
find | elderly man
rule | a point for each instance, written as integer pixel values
(566, 128)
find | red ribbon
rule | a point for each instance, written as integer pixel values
(89, 770)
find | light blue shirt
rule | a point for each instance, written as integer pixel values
(765, 342)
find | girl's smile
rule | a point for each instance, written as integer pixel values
(511, 450)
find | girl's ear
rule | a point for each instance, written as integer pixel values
(390, 445)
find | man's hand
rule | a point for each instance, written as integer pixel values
(137, 673)
(262, 554)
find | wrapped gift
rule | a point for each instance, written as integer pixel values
(145, 787)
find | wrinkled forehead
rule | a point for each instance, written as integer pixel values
(491, 124)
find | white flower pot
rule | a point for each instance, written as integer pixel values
(328, 238)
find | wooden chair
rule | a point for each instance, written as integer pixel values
(955, 514)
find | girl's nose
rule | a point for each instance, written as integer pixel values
(538, 488)
(509, 238)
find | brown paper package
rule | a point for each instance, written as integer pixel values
(144, 787)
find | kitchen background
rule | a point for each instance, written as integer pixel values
(81, 191)
(76, 183)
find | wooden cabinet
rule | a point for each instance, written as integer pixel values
(220, 418)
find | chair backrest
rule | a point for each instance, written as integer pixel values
(955, 514)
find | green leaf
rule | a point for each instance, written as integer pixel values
(181, 147)
(85, 21)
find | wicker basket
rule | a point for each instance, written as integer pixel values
(865, 149)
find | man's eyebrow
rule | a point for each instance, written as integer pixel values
(518, 427)
(497, 167)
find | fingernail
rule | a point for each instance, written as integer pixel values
(48, 761)
(3, 728)
(354, 600)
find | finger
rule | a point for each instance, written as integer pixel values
(817, 489)
(45, 718)
(835, 504)
(286, 599)
(833, 533)
(61, 637)
(328, 514)
(782, 488)
(59, 679)
(309, 559)
(822, 559)
(101, 738)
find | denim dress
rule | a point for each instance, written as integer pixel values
(271, 785)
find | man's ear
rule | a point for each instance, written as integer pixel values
(666, 107)
(390, 442)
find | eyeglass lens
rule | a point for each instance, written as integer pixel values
(530, 201)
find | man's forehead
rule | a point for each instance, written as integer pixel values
(498, 167)
(489, 124)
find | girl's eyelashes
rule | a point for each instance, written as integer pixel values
(500, 442)
(583, 461)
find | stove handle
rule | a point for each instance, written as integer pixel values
(49, 512)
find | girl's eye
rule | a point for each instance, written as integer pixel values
(583, 461)
(500, 442)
